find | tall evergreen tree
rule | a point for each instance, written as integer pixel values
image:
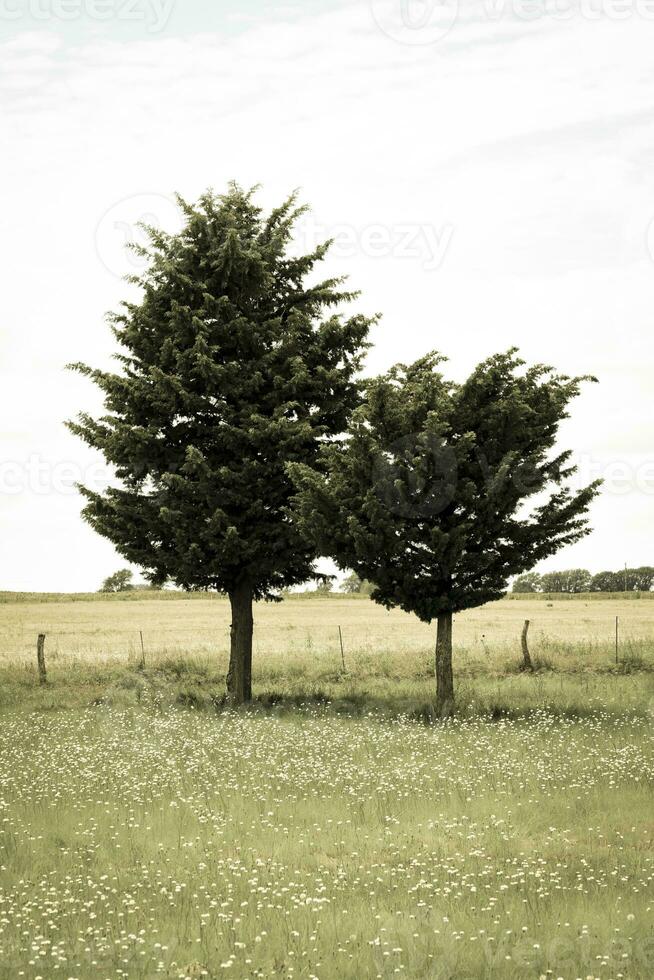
(426, 499)
(232, 365)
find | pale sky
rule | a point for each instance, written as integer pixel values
(488, 171)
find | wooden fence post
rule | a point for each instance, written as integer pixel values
(616, 640)
(40, 658)
(526, 658)
(340, 637)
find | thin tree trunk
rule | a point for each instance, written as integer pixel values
(444, 675)
(526, 658)
(239, 675)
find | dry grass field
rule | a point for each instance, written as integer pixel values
(567, 633)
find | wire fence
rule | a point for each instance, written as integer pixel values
(609, 639)
(128, 644)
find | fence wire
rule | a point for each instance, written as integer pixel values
(18, 644)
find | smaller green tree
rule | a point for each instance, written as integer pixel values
(118, 582)
(427, 497)
(325, 587)
(527, 583)
(354, 585)
(351, 584)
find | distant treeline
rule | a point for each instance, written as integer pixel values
(576, 580)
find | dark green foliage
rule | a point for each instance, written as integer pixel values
(527, 583)
(232, 365)
(627, 580)
(118, 582)
(640, 579)
(553, 582)
(576, 581)
(572, 580)
(607, 582)
(427, 498)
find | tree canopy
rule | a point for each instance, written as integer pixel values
(580, 580)
(120, 581)
(571, 580)
(234, 362)
(353, 585)
(427, 497)
(529, 582)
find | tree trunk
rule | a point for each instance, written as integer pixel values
(239, 675)
(444, 676)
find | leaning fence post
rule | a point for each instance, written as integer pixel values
(340, 637)
(526, 658)
(40, 658)
(616, 640)
(142, 650)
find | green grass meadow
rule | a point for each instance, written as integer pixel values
(333, 829)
